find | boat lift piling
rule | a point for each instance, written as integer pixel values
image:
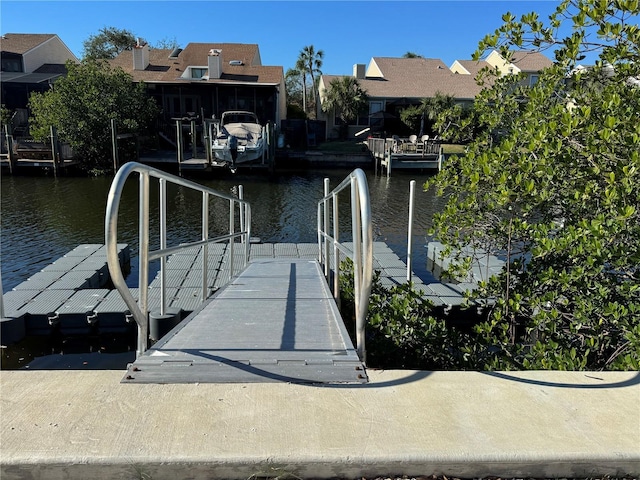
(115, 144)
(412, 189)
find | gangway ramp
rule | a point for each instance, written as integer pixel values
(276, 321)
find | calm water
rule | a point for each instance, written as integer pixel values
(43, 217)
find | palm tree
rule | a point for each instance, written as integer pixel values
(424, 116)
(310, 61)
(302, 72)
(347, 98)
(293, 87)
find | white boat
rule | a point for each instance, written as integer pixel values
(237, 138)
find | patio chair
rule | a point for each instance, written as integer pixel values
(411, 146)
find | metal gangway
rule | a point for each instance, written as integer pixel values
(275, 320)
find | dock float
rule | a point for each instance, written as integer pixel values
(74, 292)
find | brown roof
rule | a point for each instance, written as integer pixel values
(164, 69)
(530, 61)
(21, 43)
(473, 66)
(415, 78)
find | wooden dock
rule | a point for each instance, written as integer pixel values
(20, 154)
(389, 155)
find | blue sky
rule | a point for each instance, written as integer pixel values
(347, 32)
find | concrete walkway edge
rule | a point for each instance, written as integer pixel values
(86, 425)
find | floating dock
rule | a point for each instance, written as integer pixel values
(74, 295)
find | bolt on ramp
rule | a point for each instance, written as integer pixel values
(276, 321)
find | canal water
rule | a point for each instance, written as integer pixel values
(44, 217)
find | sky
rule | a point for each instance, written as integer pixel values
(348, 32)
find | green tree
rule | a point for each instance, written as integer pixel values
(412, 55)
(309, 63)
(294, 89)
(457, 124)
(82, 105)
(167, 43)
(347, 98)
(108, 43)
(551, 184)
(300, 71)
(423, 117)
(5, 116)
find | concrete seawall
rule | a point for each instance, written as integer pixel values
(87, 425)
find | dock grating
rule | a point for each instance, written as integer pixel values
(276, 321)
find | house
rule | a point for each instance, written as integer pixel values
(395, 83)
(31, 62)
(529, 63)
(208, 79)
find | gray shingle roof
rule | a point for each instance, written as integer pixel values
(21, 43)
(530, 61)
(473, 66)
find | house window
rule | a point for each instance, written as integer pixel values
(375, 107)
(198, 72)
(181, 105)
(245, 99)
(533, 80)
(11, 64)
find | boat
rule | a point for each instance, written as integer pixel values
(237, 138)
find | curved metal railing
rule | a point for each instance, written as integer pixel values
(139, 309)
(330, 245)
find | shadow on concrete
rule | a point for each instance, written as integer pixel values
(635, 380)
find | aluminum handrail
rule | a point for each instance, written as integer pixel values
(362, 252)
(139, 310)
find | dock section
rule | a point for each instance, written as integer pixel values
(74, 292)
(275, 321)
(390, 154)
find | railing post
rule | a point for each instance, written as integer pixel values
(356, 226)
(241, 197)
(143, 276)
(326, 230)
(54, 149)
(179, 145)
(114, 144)
(194, 139)
(162, 184)
(232, 227)
(336, 251)
(205, 247)
(412, 188)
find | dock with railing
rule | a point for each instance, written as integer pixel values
(85, 292)
(246, 416)
(392, 154)
(18, 154)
